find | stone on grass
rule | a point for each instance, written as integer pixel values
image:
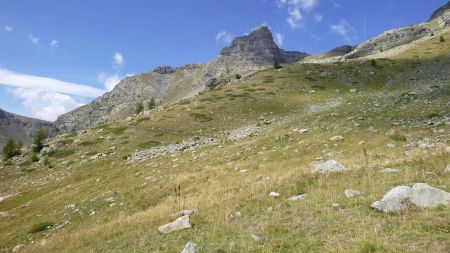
(328, 167)
(337, 138)
(420, 195)
(190, 247)
(390, 145)
(447, 169)
(353, 90)
(178, 224)
(389, 170)
(185, 212)
(18, 248)
(297, 198)
(274, 194)
(351, 193)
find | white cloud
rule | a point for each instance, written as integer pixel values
(318, 18)
(118, 60)
(33, 39)
(17, 80)
(108, 80)
(7, 28)
(54, 43)
(295, 8)
(45, 104)
(224, 37)
(279, 38)
(345, 30)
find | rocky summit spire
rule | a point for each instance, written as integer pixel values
(259, 47)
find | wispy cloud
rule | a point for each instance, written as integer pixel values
(18, 80)
(45, 104)
(279, 38)
(33, 39)
(7, 28)
(224, 37)
(345, 30)
(54, 43)
(318, 18)
(118, 60)
(295, 9)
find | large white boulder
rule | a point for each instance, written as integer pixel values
(420, 195)
(178, 224)
(328, 167)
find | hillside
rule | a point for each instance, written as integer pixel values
(19, 127)
(109, 188)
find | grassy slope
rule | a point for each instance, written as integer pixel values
(211, 180)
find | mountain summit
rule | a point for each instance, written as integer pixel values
(246, 55)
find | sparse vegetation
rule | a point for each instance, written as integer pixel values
(41, 226)
(277, 65)
(151, 104)
(139, 108)
(11, 149)
(38, 140)
(398, 137)
(34, 157)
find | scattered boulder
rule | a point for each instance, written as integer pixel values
(297, 198)
(328, 167)
(190, 247)
(353, 90)
(420, 195)
(389, 170)
(274, 194)
(5, 197)
(178, 224)
(448, 168)
(4, 214)
(18, 248)
(337, 138)
(351, 193)
(390, 145)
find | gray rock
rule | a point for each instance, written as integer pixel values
(337, 138)
(163, 70)
(190, 247)
(419, 195)
(328, 167)
(297, 198)
(389, 170)
(448, 168)
(18, 248)
(178, 224)
(351, 193)
(274, 194)
(390, 145)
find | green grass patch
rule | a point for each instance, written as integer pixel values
(398, 137)
(41, 226)
(62, 153)
(201, 117)
(118, 130)
(149, 144)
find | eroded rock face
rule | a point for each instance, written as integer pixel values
(420, 195)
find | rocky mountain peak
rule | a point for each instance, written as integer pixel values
(259, 47)
(439, 12)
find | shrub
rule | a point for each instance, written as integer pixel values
(139, 108)
(34, 157)
(38, 140)
(238, 76)
(441, 39)
(373, 63)
(151, 104)
(11, 149)
(41, 226)
(62, 153)
(277, 65)
(398, 137)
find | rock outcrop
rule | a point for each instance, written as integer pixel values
(19, 127)
(440, 12)
(246, 55)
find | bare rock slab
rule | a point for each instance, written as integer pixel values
(178, 224)
(419, 195)
(328, 167)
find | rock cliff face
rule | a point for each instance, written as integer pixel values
(19, 127)
(441, 11)
(246, 55)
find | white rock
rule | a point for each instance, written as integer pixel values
(5, 197)
(389, 170)
(18, 248)
(420, 195)
(70, 206)
(4, 214)
(353, 90)
(328, 167)
(274, 194)
(448, 168)
(351, 193)
(297, 198)
(337, 138)
(190, 247)
(304, 130)
(178, 224)
(390, 145)
(185, 212)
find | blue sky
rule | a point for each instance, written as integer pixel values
(56, 55)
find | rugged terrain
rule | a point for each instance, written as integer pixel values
(297, 159)
(19, 127)
(245, 56)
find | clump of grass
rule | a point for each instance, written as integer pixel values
(398, 137)
(91, 153)
(66, 141)
(319, 87)
(441, 39)
(201, 117)
(118, 130)
(41, 226)
(238, 76)
(90, 143)
(34, 157)
(72, 135)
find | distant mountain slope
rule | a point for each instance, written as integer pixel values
(19, 127)
(246, 55)
(441, 11)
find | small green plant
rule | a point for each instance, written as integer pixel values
(277, 65)
(441, 39)
(373, 63)
(139, 108)
(11, 149)
(41, 226)
(38, 140)
(34, 157)
(151, 104)
(48, 163)
(432, 34)
(62, 153)
(238, 76)
(398, 137)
